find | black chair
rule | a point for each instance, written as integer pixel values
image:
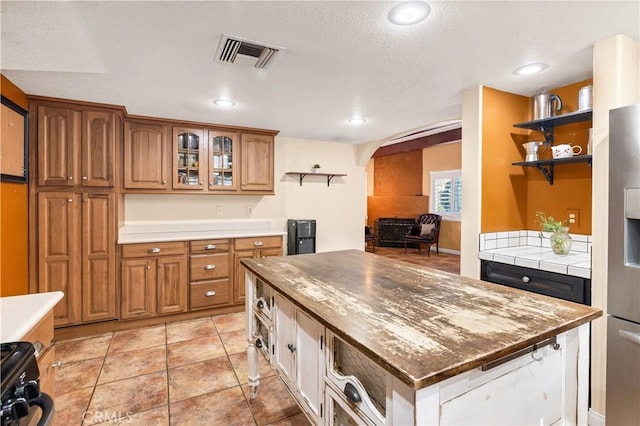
(426, 231)
(369, 237)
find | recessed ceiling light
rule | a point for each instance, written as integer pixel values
(529, 69)
(225, 103)
(409, 12)
(356, 120)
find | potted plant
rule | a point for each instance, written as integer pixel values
(315, 168)
(558, 233)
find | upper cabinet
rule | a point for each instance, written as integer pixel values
(189, 158)
(76, 147)
(223, 161)
(201, 160)
(146, 155)
(257, 162)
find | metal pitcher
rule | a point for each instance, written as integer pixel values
(543, 105)
(532, 149)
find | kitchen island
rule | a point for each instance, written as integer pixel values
(360, 337)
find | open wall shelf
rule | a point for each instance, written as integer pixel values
(302, 175)
(546, 166)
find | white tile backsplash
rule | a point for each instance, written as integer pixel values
(529, 249)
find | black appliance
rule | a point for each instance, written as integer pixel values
(20, 386)
(301, 236)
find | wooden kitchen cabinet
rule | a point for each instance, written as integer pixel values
(153, 279)
(75, 147)
(257, 151)
(146, 155)
(251, 248)
(76, 254)
(41, 335)
(189, 159)
(223, 158)
(209, 272)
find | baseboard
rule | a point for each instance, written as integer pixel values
(446, 250)
(595, 419)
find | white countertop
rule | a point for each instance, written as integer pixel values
(19, 314)
(531, 250)
(153, 232)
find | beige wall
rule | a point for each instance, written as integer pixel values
(447, 156)
(338, 209)
(616, 82)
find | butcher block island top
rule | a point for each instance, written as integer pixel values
(420, 324)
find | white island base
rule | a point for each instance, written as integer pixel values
(548, 386)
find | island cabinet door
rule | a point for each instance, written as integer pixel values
(299, 355)
(284, 339)
(309, 362)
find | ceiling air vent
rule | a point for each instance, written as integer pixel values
(236, 50)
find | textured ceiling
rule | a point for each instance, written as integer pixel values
(341, 58)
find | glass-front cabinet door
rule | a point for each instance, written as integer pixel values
(223, 157)
(188, 158)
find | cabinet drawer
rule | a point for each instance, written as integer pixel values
(567, 287)
(209, 267)
(257, 243)
(209, 293)
(352, 373)
(209, 246)
(153, 249)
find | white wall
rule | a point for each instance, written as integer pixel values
(471, 182)
(338, 209)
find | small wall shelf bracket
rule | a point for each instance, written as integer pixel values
(547, 171)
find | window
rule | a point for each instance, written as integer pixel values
(446, 193)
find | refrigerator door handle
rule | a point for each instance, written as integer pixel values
(632, 337)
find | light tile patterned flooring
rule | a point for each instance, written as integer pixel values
(184, 373)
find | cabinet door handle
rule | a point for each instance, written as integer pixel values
(630, 336)
(260, 304)
(209, 293)
(258, 244)
(153, 250)
(85, 178)
(148, 267)
(57, 364)
(70, 178)
(69, 200)
(258, 343)
(210, 247)
(526, 279)
(38, 348)
(201, 184)
(352, 393)
(291, 347)
(209, 267)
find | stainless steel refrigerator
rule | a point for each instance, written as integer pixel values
(623, 321)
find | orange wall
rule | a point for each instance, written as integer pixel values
(504, 187)
(398, 174)
(511, 195)
(14, 228)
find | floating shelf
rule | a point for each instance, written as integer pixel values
(546, 166)
(303, 174)
(546, 125)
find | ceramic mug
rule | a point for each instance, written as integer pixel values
(565, 151)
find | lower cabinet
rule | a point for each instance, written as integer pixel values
(210, 285)
(251, 248)
(153, 279)
(76, 254)
(298, 355)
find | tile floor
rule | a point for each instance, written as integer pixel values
(184, 373)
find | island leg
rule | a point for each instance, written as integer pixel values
(254, 378)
